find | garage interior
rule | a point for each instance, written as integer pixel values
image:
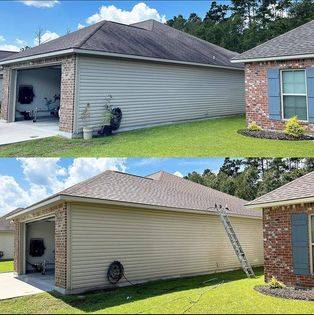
(40, 251)
(38, 93)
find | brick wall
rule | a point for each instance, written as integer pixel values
(61, 214)
(256, 91)
(67, 101)
(278, 247)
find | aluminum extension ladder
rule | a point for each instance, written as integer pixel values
(246, 266)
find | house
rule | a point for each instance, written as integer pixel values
(154, 73)
(158, 226)
(288, 214)
(3, 54)
(279, 79)
(6, 240)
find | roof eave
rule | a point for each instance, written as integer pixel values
(259, 206)
(261, 59)
(113, 55)
(68, 198)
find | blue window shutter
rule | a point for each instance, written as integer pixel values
(300, 243)
(274, 104)
(310, 92)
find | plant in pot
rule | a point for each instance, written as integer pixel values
(107, 117)
(87, 131)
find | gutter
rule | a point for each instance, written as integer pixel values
(260, 206)
(307, 56)
(112, 55)
(67, 198)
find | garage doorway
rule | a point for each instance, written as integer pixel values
(37, 95)
(40, 250)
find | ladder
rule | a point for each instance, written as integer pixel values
(246, 266)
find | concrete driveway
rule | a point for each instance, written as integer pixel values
(13, 286)
(27, 130)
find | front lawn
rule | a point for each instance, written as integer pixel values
(6, 266)
(224, 293)
(215, 138)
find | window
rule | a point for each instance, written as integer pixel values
(293, 91)
(312, 241)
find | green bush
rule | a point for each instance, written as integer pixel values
(275, 284)
(253, 126)
(294, 128)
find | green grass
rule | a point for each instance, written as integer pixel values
(6, 266)
(226, 293)
(215, 137)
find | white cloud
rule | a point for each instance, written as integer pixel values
(40, 3)
(139, 12)
(2, 39)
(46, 37)
(21, 42)
(9, 47)
(80, 26)
(179, 174)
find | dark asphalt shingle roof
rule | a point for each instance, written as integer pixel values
(302, 187)
(299, 41)
(145, 39)
(159, 189)
(5, 54)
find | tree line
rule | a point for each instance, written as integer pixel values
(240, 25)
(252, 177)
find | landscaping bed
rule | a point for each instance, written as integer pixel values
(287, 293)
(273, 135)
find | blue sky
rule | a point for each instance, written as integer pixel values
(25, 181)
(20, 19)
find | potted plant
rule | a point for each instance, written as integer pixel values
(87, 131)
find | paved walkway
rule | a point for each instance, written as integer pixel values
(12, 286)
(27, 130)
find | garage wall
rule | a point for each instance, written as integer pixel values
(45, 230)
(46, 82)
(153, 244)
(7, 244)
(153, 93)
(1, 92)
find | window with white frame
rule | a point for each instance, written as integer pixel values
(312, 241)
(293, 94)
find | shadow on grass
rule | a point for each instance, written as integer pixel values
(100, 300)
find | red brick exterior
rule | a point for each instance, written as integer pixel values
(67, 101)
(61, 241)
(278, 247)
(256, 91)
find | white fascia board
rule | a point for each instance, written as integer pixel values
(307, 56)
(260, 206)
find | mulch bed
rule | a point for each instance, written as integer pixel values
(287, 293)
(274, 135)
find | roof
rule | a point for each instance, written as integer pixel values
(297, 42)
(5, 53)
(157, 190)
(149, 39)
(5, 225)
(299, 190)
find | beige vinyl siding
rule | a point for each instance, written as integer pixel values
(7, 244)
(154, 93)
(153, 244)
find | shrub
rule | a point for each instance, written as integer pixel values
(294, 128)
(275, 284)
(253, 126)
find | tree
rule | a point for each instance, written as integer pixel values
(39, 35)
(217, 13)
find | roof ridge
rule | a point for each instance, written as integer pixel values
(280, 187)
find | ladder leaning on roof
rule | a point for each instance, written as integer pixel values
(246, 266)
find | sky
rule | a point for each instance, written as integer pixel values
(24, 181)
(20, 19)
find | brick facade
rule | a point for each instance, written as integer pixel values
(278, 246)
(67, 101)
(256, 91)
(61, 245)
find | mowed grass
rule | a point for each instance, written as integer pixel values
(6, 266)
(229, 293)
(214, 137)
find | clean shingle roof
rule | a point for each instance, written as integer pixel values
(5, 54)
(300, 188)
(299, 41)
(159, 189)
(146, 39)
